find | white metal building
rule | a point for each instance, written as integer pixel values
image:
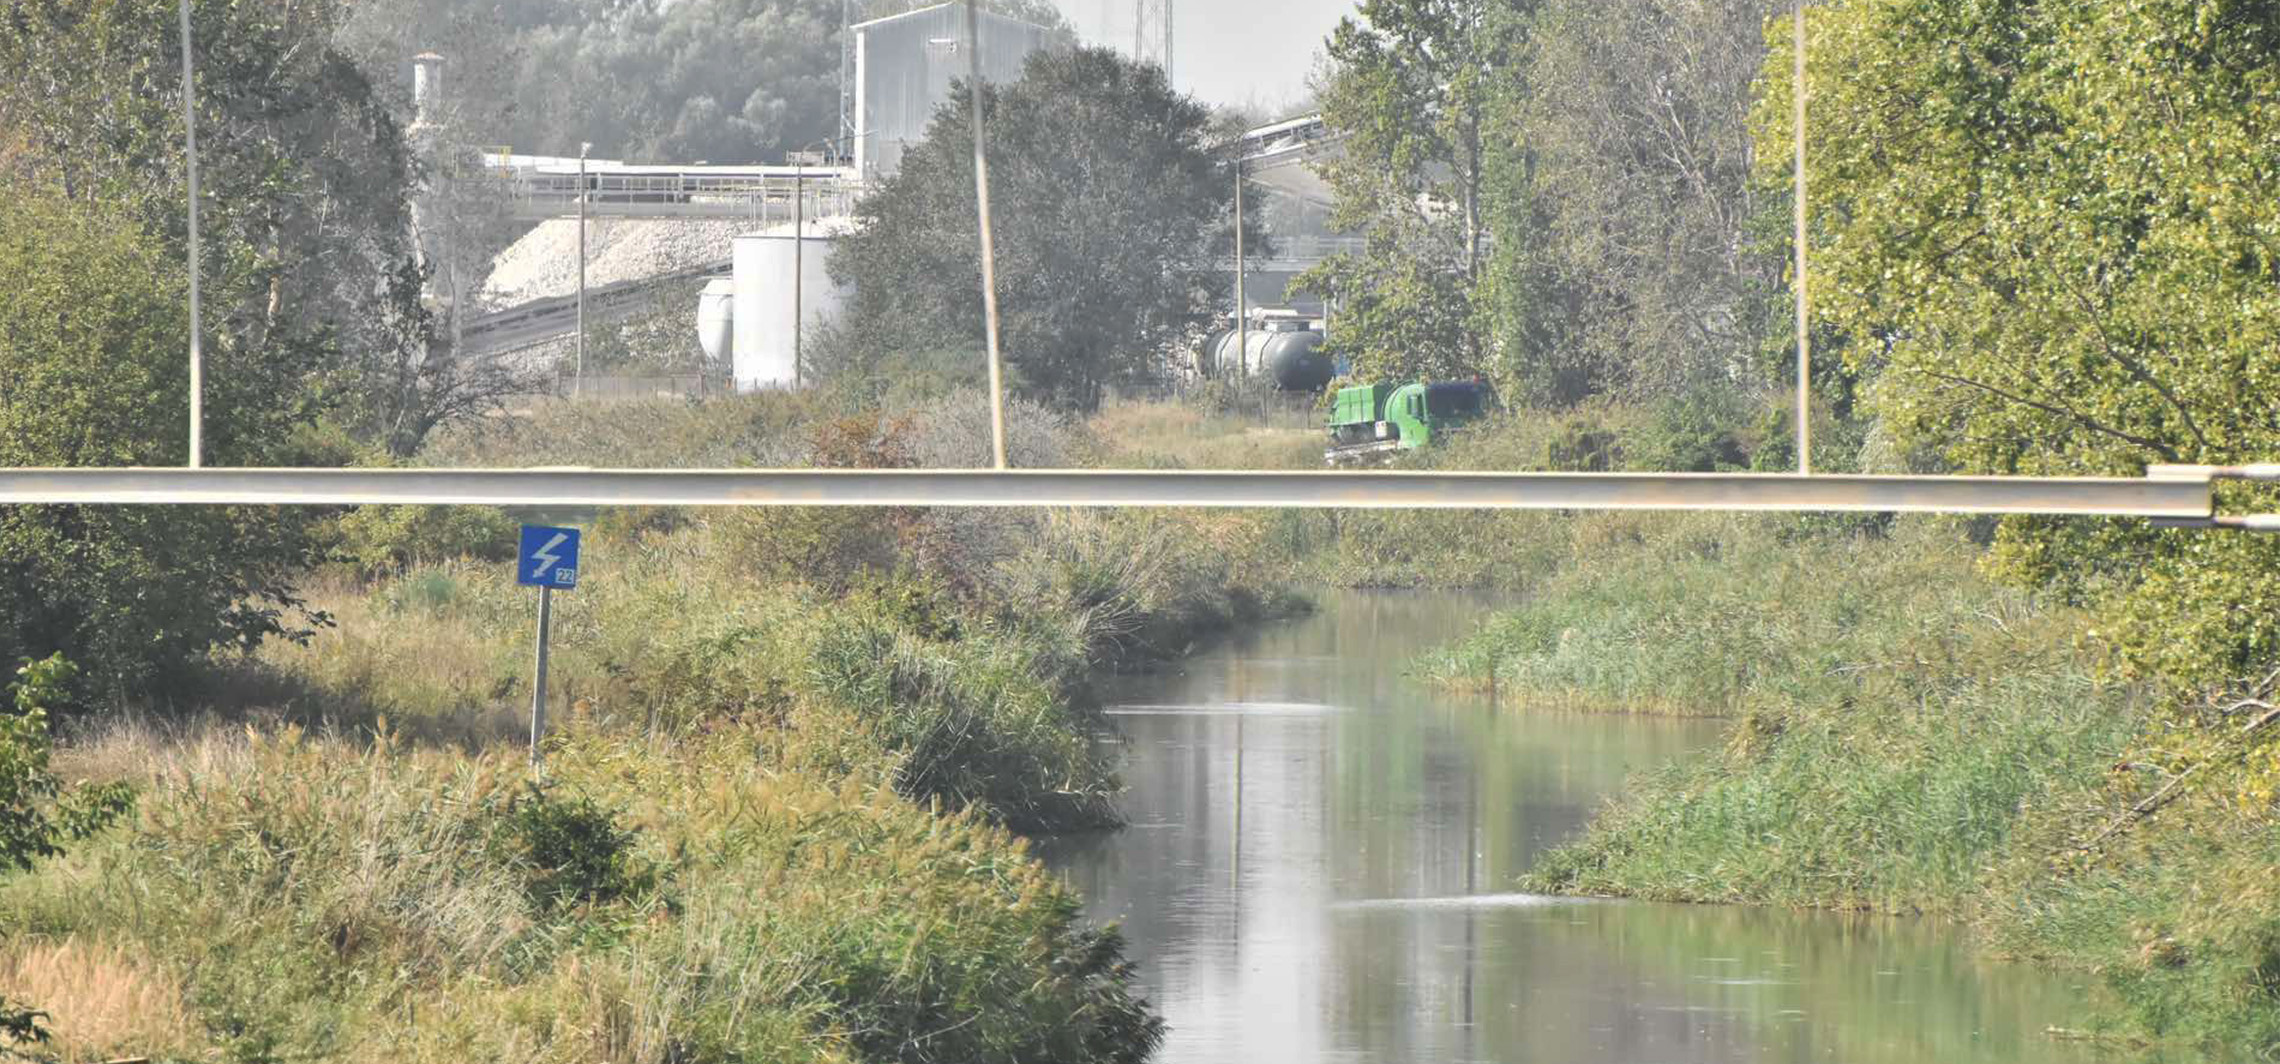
(904, 66)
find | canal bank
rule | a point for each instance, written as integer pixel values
(1320, 865)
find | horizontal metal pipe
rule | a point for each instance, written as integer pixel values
(2158, 498)
(2266, 471)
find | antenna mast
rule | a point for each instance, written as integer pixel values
(1152, 32)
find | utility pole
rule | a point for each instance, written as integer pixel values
(197, 324)
(578, 384)
(1804, 306)
(989, 250)
(1242, 294)
(799, 268)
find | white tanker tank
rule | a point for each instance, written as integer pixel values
(1287, 351)
(716, 319)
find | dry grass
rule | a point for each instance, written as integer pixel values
(1161, 435)
(105, 1002)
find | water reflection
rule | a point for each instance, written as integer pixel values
(1320, 868)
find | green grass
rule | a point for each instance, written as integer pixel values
(1908, 738)
(658, 901)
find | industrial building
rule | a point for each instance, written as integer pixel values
(904, 67)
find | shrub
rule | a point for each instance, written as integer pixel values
(571, 850)
(387, 539)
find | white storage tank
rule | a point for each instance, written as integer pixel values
(716, 317)
(764, 322)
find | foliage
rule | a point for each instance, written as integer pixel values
(2047, 228)
(1556, 193)
(1108, 213)
(392, 538)
(1626, 259)
(1413, 87)
(313, 285)
(722, 81)
(37, 813)
(332, 898)
(93, 326)
(571, 850)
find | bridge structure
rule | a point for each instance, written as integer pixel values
(538, 188)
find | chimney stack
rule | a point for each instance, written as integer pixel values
(427, 88)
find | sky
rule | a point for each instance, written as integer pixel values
(1255, 52)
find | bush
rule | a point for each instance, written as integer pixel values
(571, 850)
(389, 539)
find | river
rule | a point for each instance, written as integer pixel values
(1320, 862)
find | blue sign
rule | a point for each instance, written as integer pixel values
(549, 557)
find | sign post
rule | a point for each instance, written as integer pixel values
(547, 560)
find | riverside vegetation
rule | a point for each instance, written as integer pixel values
(778, 812)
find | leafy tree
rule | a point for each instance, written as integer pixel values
(1110, 215)
(37, 813)
(1413, 86)
(91, 345)
(2048, 228)
(1624, 232)
(307, 179)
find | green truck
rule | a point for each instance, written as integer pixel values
(1370, 422)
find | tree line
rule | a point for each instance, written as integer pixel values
(2042, 235)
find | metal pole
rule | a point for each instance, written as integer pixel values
(1168, 46)
(989, 251)
(799, 271)
(538, 685)
(1242, 297)
(197, 325)
(578, 383)
(1804, 307)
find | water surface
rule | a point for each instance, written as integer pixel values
(1321, 863)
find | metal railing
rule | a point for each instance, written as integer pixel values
(2179, 496)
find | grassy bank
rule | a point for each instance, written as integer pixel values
(1908, 738)
(288, 898)
(791, 752)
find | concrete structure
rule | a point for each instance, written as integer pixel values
(762, 316)
(904, 67)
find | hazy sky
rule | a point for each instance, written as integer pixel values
(1227, 51)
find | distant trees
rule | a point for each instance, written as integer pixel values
(307, 178)
(311, 301)
(726, 81)
(1110, 217)
(1553, 192)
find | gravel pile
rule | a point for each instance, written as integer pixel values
(544, 263)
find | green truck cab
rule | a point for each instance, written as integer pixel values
(1372, 421)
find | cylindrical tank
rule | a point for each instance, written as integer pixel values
(716, 319)
(1207, 355)
(1286, 352)
(1295, 360)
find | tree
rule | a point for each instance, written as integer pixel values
(1412, 87)
(1624, 236)
(308, 179)
(91, 345)
(1110, 217)
(2047, 229)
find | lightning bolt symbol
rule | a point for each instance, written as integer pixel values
(545, 555)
